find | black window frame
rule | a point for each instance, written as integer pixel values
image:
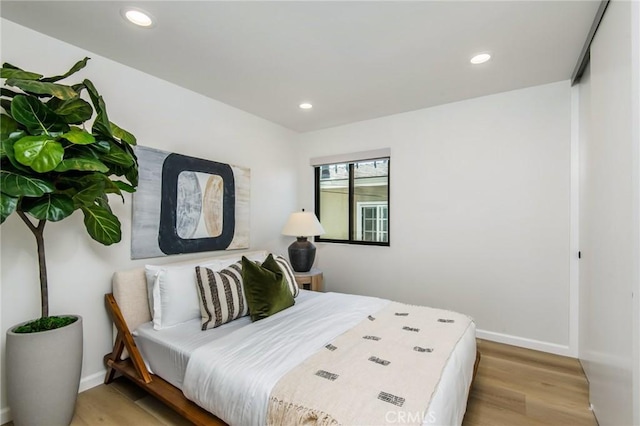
(352, 218)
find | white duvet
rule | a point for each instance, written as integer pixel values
(233, 376)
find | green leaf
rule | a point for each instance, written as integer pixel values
(123, 186)
(8, 151)
(129, 150)
(73, 111)
(85, 151)
(6, 105)
(112, 188)
(8, 205)
(101, 125)
(18, 185)
(79, 136)
(97, 150)
(74, 69)
(102, 225)
(8, 93)
(7, 126)
(71, 185)
(108, 186)
(41, 153)
(60, 91)
(103, 201)
(89, 195)
(91, 179)
(9, 71)
(131, 173)
(36, 116)
(52, 207)
(81, 164)
(118, 156)
(122, 134)
(79, 87)
(102, 147)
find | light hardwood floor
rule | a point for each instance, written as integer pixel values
(514, 386)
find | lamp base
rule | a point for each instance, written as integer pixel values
(302, 253)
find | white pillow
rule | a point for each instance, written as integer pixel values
(173, 294)
(172, 289)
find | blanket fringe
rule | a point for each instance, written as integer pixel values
(287, 413)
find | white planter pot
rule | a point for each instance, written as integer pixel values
(43, 374)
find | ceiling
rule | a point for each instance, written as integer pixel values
(352, 60)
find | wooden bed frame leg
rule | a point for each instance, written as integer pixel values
(118, 348)
(475, 365)
(124, 339)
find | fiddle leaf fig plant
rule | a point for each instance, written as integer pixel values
(60, 153)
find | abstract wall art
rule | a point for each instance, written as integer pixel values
(185, 205)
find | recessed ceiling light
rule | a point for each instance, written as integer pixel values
(480, 58)
(305, 105)
(138, 17)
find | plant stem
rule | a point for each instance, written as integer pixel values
(38, 232)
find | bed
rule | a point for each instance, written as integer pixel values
(283, 369)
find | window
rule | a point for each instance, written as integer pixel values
(373, 219)
(352, 201)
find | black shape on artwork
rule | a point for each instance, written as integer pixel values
(168, 239)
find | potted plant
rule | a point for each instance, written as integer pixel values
(52, 164)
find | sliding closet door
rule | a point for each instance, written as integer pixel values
(609, 220)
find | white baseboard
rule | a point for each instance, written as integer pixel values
(523, 342)
(86, 383)
(5, 415)
(92, 381)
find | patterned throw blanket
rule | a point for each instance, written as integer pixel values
(384, 369)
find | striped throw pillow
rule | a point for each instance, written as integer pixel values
(221, 295)
(288, 275)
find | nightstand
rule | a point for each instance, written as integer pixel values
(311, 280)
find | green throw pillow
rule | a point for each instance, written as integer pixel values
(265, 288)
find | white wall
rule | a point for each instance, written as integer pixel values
(635, 196)
(480, 212)
(610, 217)
(163, 116)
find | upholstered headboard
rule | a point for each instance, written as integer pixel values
(130, 288)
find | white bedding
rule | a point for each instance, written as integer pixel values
(167, 353)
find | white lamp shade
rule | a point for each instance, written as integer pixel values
(302, 224)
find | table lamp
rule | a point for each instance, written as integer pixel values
(302, 252)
